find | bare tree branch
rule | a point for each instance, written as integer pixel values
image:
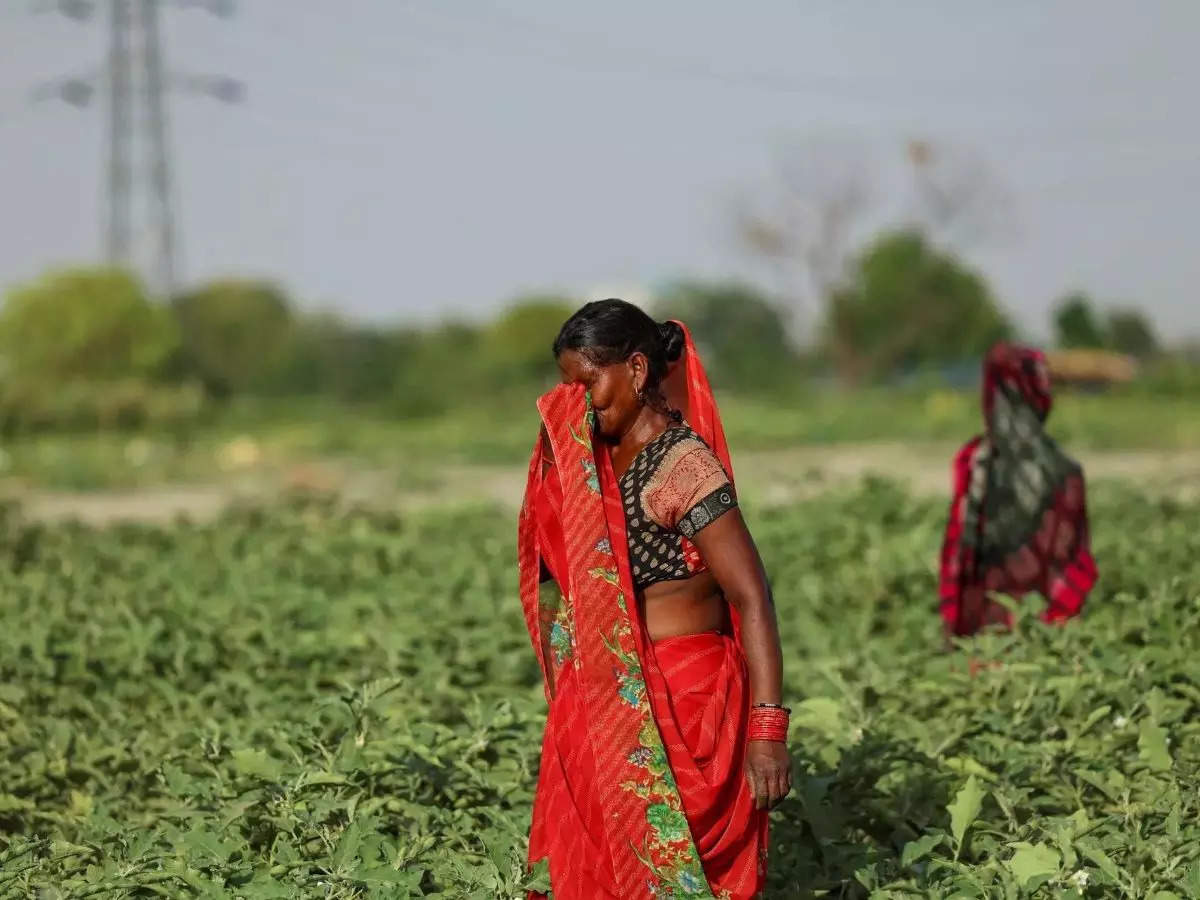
(959, 200)
(804, 222)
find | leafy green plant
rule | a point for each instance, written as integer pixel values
(304, 701)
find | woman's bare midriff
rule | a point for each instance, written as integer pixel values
(685, 606)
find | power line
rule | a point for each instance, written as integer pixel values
(510, 36)
(140, 228)
(585, 50)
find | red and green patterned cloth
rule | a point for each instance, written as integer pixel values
(641, 791)
(1018, 520)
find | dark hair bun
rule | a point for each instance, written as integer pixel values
(672, 339)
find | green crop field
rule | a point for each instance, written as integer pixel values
(301, 701)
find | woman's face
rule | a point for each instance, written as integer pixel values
(614, 389)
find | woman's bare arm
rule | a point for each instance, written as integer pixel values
(729, 551)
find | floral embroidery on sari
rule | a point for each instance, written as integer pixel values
(562, 635)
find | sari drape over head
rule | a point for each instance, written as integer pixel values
(1018, 519)
(641, 791)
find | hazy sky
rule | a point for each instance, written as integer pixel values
(414, 158)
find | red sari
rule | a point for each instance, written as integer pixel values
(641, 791)
(1018, 520)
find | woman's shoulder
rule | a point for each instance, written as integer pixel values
(678, 445)
(681, 473)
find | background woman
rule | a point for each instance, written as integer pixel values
(1018, 520)
(664, 744)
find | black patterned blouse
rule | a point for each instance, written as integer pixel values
(674, 488)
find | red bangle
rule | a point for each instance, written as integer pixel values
(769, 723)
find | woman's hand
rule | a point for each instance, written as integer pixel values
(769, 771)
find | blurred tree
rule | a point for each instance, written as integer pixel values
(820, 199)
(908, 305)
(742, 336)
(1130, 331)
(84, 324)
(350, 362)
(442, 369)
(236, 334)
(1076, 324)
(516, 347)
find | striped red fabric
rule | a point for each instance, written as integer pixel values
(641, 791)
(700, 693)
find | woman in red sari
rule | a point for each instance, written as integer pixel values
(1018, 520)
(664, 744)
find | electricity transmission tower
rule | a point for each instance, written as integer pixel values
(140, 228)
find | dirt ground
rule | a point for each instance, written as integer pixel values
(771, 478)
